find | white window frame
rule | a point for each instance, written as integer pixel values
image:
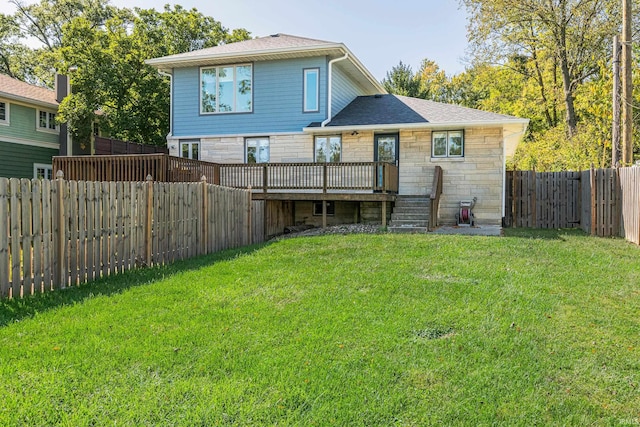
(327, 157)
(447, 155)
(256, 142)
(305, 107)
(190, 143)
(235, 91)
(47, 169)
(49, 119)
(7, 113)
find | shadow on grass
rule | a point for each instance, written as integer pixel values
(18, 309)
(543, 234)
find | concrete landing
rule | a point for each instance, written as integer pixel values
(478, 230)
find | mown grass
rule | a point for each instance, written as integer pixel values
(538, 328)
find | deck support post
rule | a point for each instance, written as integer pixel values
(324, 214)
(384, 214)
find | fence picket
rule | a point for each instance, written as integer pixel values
(4, 237)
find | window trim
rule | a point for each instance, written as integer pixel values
(7, 113)
(331, 208)
(246, 149)
(305, 72)
(235, 99)
(190, 143)
(328, 137)
(46, 129)
(447, 155)
(44, 166)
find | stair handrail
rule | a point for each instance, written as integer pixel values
(436, 192)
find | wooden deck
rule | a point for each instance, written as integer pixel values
(358, 181)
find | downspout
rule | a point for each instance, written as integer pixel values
(330, 84)
(162, 73)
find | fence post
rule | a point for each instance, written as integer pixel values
(592, 182)
(205, 216)
(59, 235)
(250, 218)
(617, 194)
(324, 177)
(148, 232)
(4, 238)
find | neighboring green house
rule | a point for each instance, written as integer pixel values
(29, 134)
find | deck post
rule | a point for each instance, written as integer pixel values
(324, 213)
(384, 214)
(265, 178)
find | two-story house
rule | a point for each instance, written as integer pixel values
(329, 138)
(29, 134)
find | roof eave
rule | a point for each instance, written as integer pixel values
(175, 61)
(427, 125)
(26, 100)
(168, 63)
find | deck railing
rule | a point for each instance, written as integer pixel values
(265, 177)
(325, 177)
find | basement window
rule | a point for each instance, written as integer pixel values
(190, 149)
(317, 209)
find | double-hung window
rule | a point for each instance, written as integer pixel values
(257, 150)
(4, 113)
(41, 171)
(311, 90)
(328, 149)
(190, 149)
(47, 121)
(447, 144)
(226, 89)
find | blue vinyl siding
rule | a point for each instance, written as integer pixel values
(344, 90)
(277, 101)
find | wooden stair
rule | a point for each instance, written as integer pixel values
(410, 215)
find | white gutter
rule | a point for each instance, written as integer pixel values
(425, 125)
(162, 73)
(329, 90)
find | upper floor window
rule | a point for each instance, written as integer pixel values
(4, 112)
(190, 149)
(328, 149)
(448, 144)
(226, 89)
(257, 150)
(47, 121)
(311, 90)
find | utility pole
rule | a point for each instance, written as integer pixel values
(627, 86)
(615, 129)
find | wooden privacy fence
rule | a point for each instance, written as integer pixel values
(110, 146)
(59, 233)
(603, 202)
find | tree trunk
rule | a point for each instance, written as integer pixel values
(568, 96)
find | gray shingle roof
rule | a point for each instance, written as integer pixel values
(395, 109)
(272, 42)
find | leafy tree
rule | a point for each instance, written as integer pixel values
(565, 35)
(112, 78)
(402, 81)
(11, 50)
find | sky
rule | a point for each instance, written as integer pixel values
(381, 33)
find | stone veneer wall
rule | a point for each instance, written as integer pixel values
(479, 174)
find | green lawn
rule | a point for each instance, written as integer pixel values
(537, 328)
